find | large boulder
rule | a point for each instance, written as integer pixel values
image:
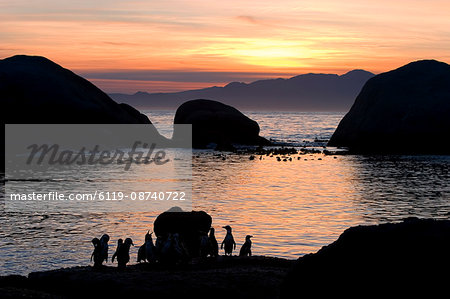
(217, 123)
(395, 258)
(34, 89)
(189, 226)
(406, 110)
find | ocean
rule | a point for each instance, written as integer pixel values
(291, 208)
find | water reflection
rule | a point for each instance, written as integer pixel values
(394, 187)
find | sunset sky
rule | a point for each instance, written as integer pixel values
(167, 45)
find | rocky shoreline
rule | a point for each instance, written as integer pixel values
(406, 258)
(235, 277)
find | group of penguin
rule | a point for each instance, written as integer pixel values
(167, 250)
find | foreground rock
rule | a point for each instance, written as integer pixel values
(406, 110)
(407, 258)
(255, 277)
(34, 89)
(218, 124)
(188, 225)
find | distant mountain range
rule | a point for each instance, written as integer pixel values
(308, 92)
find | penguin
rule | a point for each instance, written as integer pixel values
(228, 241)
(166, 249)
(179, 250)
(119, 243)
(159, 243)
(205, 245)
(246, 249)
(141, 254)
(104, 247)
(96, 254)
(147, 251)
(150, 249)
(123, 256)
(212, 240)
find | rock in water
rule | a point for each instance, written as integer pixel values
(188, 225)
(406, 110)
(405, 258)
(34, 89)
(217, 123)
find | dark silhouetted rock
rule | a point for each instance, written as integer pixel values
(406, 110)
(231, 277)
(34, 89)
(402, 258)
(188, 225)
(217, 123)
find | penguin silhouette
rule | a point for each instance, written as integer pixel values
(150, 249)
(164, 247)
(159, 243)
(212, 240)
(205, 245)
(96, 254)
(179, 250)
(173, 250)
(246, 249)
(104, 247)
(147, 252)
(228, 241)
(123, 256)
(141, 256)
(119, 243)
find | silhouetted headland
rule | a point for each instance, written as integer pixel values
(34, 89)
(306, 92)
(406, 110)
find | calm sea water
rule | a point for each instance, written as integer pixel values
(291, 208)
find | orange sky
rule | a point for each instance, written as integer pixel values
(159, 45)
